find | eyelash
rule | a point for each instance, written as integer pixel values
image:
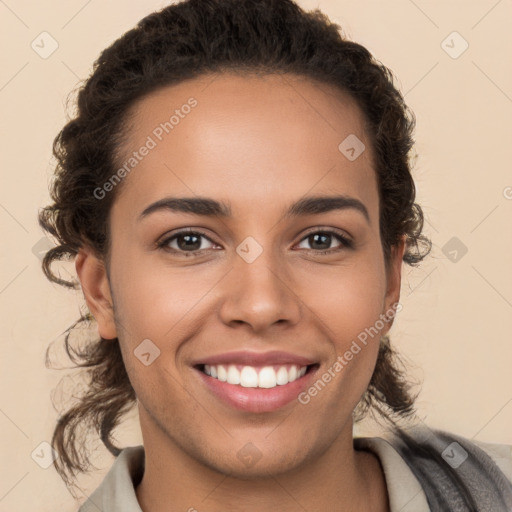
(345, 242)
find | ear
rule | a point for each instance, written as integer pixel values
(96, 288)
(394, 280)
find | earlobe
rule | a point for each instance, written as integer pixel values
(96, 288)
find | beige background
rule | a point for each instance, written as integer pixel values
(457, 318)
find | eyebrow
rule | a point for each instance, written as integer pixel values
(205, 206)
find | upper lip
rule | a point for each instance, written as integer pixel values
(255, 358)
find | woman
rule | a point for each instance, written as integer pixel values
(236, 191)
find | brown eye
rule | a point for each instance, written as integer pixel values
(320, 241)
(186, 242)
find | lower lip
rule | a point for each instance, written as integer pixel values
(257, 399)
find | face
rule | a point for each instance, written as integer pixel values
(280, 279)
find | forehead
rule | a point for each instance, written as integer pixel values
(246, 139)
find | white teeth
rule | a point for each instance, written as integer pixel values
(250, 377)
(222, 374)
(233, 375)
(282, 376)
(267, 377)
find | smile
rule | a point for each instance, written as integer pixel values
(255, 377)
(256, 389)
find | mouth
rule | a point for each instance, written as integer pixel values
(256, 387)
(247, 376)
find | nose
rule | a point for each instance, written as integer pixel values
(259, 294)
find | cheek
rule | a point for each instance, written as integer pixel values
(347, 299)
(351, 311)
(349, 303)
(155, 301)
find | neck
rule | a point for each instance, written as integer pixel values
(340, 478)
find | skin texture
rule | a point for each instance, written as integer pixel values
(259, 143)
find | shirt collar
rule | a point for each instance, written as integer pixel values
(116, 492)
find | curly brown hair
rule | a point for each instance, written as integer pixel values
(183, 41)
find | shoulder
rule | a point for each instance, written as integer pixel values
(454, 449)
(501, 454)
(458, 472)
(405, 492)
(429, 469)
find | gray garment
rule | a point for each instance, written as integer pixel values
(425, 472)
(456, 475)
